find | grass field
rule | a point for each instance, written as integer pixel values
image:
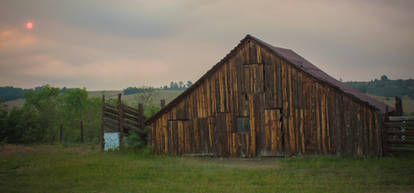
(167, 95)
(407, 102)
(18, 103)
(81, 169)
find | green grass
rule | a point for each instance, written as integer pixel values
(167, 95)
(81, 169)
(18, 103)
(107, 93)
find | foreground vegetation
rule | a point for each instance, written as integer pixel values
(85, 169)
(46, 110)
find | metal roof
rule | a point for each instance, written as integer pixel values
(317, 73)
(296, 60)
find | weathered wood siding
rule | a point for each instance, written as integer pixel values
(290, 113)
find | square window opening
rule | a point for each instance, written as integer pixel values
(243, 125)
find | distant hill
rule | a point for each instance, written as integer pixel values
(134, 99)
(9, 93)
(385, 87)
(407, 102)
(131, 99)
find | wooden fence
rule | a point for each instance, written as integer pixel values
(121, 118)
(398, 134)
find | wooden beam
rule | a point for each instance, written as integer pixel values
(162, 103)
(401, 142)
(399, 133)
(81, 131)
(121, 122)
(401, 118)
(61, 133)
(393, 149)
(102, 123)
(398, 107)
(130, 110)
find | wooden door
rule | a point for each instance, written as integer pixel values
(272, 141)
(180, 137)
(201, 136)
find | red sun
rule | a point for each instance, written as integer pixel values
(29, 25)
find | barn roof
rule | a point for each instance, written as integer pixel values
(295, 59)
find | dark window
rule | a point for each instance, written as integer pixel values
(243, 125)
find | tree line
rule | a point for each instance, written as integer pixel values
(385, 87)
(180, 85)
(8, 93)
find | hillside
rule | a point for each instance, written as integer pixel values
(17, 103)
(132, 99)
(385, 87)
(407, 102)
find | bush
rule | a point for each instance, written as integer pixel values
(135, 141)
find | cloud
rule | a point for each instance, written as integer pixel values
(111, 45)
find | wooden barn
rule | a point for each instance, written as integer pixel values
(262, 100)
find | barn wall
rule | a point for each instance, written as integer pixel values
(289, 112)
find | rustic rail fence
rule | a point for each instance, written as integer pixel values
(121, 118)
(398, 134)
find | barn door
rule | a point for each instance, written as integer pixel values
(180, 137)
(272, 132)
(202, 135)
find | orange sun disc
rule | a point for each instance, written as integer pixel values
(29, 25)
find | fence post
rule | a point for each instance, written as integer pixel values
(102, 124)
(52, 136)
(162, 103)
(385, 133)
(140, 115)
(81, 131)
(140, 121)
(121, 122)
(61, 133)
(398, 106)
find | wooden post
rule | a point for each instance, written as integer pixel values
(121, 122)
(61, 134)
(81, 131)
(52, 137)
(398, 106)
(162, 103)
(385, 133)
(141, 121)
(102, 124)
(140, 116)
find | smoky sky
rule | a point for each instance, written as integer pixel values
(102, 44)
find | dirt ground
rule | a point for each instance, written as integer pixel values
(266, 162)
(10, 149)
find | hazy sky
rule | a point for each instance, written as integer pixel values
(102, 44)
